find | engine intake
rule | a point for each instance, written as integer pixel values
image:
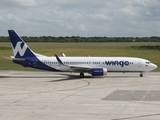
(99, 71)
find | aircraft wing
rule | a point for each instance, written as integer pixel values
(76, 68)
(80, 68)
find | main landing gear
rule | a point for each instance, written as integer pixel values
(141, 74)
(81, 75)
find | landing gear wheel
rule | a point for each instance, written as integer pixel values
(81, 75)
(141, 75)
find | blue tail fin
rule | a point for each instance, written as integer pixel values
(20, 48)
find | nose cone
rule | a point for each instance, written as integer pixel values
(153, 66)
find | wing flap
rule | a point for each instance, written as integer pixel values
(80, 68)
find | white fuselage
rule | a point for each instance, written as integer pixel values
(112, 64)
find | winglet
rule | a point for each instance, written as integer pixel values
(63, 54)
(59, 60)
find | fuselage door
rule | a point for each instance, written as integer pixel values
(140, 64)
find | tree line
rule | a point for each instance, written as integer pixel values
(149, 47)
(84, 39)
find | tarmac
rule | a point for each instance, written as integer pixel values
(38, 95)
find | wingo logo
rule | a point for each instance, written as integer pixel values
(19, 49)
(121, 63)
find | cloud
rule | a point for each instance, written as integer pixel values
(18, 3)
(80, 17)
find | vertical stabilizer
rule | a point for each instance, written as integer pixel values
(20, 48)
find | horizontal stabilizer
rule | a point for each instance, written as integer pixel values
(17, 59)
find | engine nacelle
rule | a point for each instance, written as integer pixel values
(99, 71)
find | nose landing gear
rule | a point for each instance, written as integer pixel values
(141, 75)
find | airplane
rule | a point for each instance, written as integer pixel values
(96, 66)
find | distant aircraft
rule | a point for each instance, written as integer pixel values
(96, 66)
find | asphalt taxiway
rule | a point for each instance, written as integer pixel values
(38, 95)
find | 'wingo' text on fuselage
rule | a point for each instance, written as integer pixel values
(121, 63)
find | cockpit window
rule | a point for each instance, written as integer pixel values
(147, 62)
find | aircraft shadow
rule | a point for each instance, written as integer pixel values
(4, 76)
(66, 77)
(71, 77)
(31, 77)
(122, 77)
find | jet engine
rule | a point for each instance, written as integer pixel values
(99, 71)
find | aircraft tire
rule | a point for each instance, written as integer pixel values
(81, 75)
(141, 75)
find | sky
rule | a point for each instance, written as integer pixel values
(85, 18)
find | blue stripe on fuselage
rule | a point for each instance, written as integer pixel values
(34, 62)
